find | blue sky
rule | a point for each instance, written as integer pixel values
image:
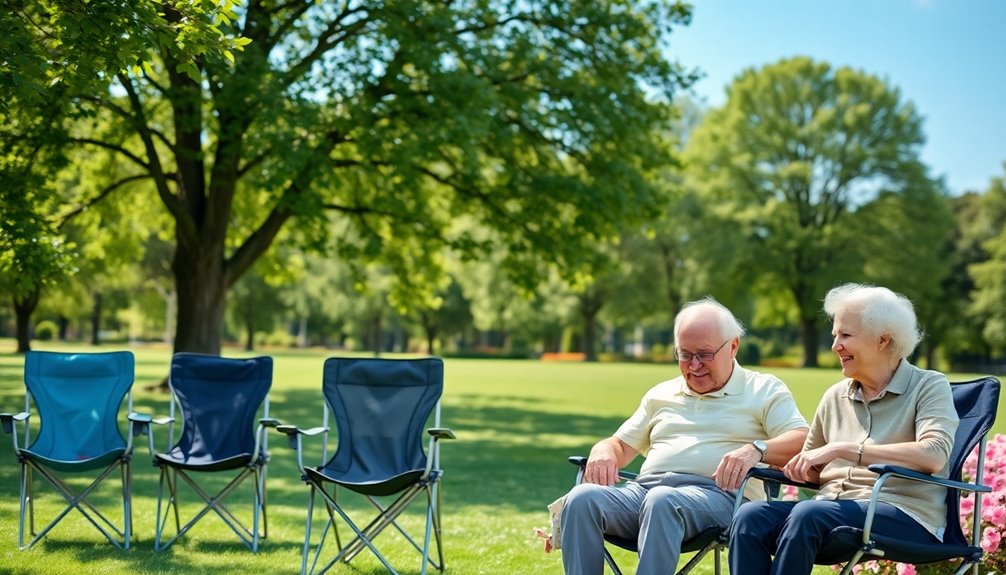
(946, 56)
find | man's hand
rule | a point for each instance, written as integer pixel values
(602, 466)
(734, 467)
(605, 459)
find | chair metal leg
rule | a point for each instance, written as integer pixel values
(127, 503)
(611, 562)
(26, 498)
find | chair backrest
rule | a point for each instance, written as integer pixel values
(976, 402)
(380, 407)
(78, 396)
(219, 398)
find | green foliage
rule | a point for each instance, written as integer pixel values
(990, 275)
(790, 159)
(46, 330)
(402, 119)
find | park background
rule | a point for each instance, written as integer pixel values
(495, 183)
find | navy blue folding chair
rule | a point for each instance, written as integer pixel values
(710, 540)
(77, 397)
(224, 407)
(976, 402)
(381, 408)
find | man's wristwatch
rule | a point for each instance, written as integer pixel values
(761, 447)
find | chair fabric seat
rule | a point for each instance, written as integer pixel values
(361, 483)
(99, 461)
(696, 543)
(175, 459)
(842, 543)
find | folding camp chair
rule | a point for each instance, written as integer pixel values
(711, 540)
(976, 402)
(380, 407)
(77, 397)
(219, 399)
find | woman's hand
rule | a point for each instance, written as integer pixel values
(806, 466)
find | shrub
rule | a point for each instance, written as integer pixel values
(46, 330)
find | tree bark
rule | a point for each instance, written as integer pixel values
(590, 306)
(808, 336)
(96, 318)
(202, 297)
(23, 309)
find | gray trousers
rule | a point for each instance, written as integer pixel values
(658, 510)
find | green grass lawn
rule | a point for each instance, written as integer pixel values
(516, 421)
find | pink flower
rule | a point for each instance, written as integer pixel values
(906, 569)
(990, 540)
(994, 514)
(790, 493)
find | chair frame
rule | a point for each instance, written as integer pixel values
(32, 464)
(427, 483)
(256, 468)
(868, 547)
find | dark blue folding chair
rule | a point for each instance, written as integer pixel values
(976, 402)
(78, 397)
(381, 408)
(218, 399)
(710, 540)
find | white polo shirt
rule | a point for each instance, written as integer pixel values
(677, 429)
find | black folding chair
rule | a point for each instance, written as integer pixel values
(218, 399)
(976, 403)
(78, 397)
(381, 408)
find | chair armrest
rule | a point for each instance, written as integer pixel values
(905, 473)
(8, 419)
(269, 422)
(293, 430)
(139, 423)
(776, 475)
(441, 433)
(581, 462)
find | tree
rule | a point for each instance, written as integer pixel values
(398, 117)
(795, 150)
(990, 275)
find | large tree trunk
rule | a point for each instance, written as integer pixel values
(23, 309)
(202, 298)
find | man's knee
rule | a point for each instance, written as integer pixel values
(584, 499)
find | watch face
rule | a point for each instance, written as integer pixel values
(760, 446)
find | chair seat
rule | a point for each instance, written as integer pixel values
(98, 461)
(360, 482)
(205, 463)
(843, 542)
(696, 543)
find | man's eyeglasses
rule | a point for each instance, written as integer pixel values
(703, 356)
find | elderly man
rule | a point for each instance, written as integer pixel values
(700, 433)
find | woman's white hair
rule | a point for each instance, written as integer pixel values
(880, 312)
(730, 326)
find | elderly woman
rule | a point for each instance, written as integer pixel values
(885, 411)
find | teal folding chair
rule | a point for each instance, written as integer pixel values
(77, 397)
